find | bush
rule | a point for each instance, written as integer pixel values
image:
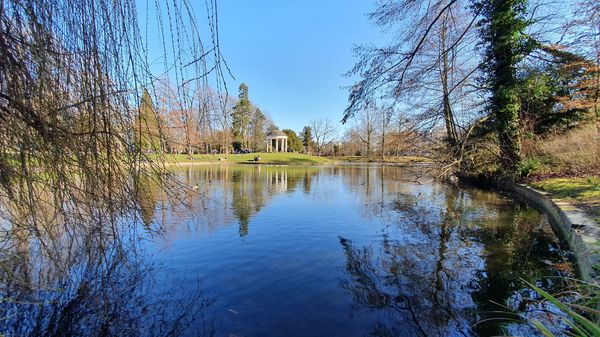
(529, 166)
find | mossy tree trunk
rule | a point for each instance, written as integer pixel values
(504, 26)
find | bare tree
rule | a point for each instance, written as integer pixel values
(72, 78)
(426, 68)
(323, 132)
(585, 31)
(365, 128)
(384, 116)
(223, 117)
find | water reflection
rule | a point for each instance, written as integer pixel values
(277, 251)
(90, 280)
(225, 195)
(112, 296)
(446, 263)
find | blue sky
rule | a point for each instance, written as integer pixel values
(292, 54)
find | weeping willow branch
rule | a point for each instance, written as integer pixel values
(72, 78)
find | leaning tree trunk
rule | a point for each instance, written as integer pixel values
(451, 134)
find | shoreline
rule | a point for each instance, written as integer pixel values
(576, 230)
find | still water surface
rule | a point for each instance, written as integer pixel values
(306, 251)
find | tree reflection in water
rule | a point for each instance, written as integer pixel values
(446, 271)
(250, 188)
(416, 260)
(105, 291)
(225, 195)
(90, 279)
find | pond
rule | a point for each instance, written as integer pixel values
(256, 250)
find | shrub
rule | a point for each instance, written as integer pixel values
(529, 166)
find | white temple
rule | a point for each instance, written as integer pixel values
(277, 141)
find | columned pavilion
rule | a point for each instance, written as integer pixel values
(277, 141)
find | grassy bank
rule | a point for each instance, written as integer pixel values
(567, 165)
(582, 192)
(265, 158)
(398, 160)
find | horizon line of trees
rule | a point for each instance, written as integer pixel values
(202, 121)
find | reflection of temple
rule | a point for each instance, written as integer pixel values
(226, 195)
(277, 181)
(253, 189)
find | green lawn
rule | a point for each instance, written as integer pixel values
(584, 192)
(265, 158)
(377, 159)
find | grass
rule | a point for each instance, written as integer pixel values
(574, 315)
(402, 159)
(584, 192)
(580, 189)
(265, 158)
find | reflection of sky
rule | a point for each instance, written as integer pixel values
(285, 272)
(319, 251)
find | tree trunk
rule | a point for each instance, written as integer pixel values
(505, 103)
(451, 134)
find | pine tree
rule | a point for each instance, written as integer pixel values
(258, 131)
(241, 118)
(147, 131)
(307, 139)
(294, 142)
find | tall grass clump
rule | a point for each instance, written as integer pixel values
(575, 151)
(577, 310)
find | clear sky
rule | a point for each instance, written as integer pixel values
(292, 54)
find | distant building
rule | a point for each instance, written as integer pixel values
(277, 141)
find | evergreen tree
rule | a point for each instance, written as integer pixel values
(258, 131)
(502, 28)
(241, 118)
(272, 127)
(147, 129)
(307, 139)
(557, 93)
(294, 142)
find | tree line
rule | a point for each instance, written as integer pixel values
(204, 121)
(474, 79)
